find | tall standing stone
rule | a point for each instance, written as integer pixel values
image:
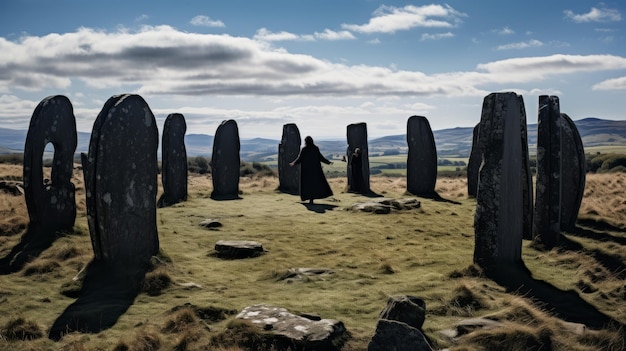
(357, 138)
(473, 165)
(174, 161)
(225, 161)
(51, 206)
(573, 164)
(547, 224)
(120, 174)
(498, 221)
(288, 150)
(421, 165)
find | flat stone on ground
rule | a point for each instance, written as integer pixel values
(236, 249)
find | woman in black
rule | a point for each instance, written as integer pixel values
(313, 184)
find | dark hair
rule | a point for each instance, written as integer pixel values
(308, 141)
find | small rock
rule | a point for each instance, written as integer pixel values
(210, 223)
(236, 249)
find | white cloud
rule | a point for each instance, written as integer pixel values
(437, 36)
(142, 18)
(504, 31)
(611, 84)
(374, 41)
(328, 34)
(595, 15)
(205, 21)
(389, 19)
(266, 35)
(533, 43)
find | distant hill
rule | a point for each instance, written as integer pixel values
(452, 142)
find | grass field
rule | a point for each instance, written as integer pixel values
(425, 252)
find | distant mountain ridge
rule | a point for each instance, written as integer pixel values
(452, 142)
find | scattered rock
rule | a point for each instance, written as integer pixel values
(236, 249)
(386, 205)
(398, 336)
(407, 309)
(211, 224)
(303, 333)
(294, 274)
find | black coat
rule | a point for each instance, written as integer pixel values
(313, 184)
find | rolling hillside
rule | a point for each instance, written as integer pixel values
(453, 142)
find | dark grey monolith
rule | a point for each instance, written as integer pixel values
(527, 177)
(358, 180)
(288, 150)
(573, 165)
(547, 223)
(421, 164)
(225, 161)
(498, 221)
(473, 165)
(51, 206)
(120, 174)
(173, 161)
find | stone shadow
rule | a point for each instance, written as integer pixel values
(32, 243)
(612, 263)
(567, 305)
(435, 197)
(319, 208)
(106, 294)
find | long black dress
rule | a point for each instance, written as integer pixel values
(313, 184)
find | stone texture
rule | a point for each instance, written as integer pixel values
(421, 165)
(385, 205)
(573, 164)
(120, 173)
(225, 161)
(299, 332)
(173, 161)
(288, 150)
(547, 223)
(51, 206)
(237, 249)
(473, 165)
(406, 309)
(498, 220)
(397, 336)
(357, 138)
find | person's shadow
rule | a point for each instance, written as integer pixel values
(319, 208)
(107, 292)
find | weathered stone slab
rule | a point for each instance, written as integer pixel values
(225, 161)
(358, 179)
(397, 336)
(498, 220)
(51, 206)
(237, 249)
(120, 173)
(288, 150)
(12, 188)
(301, 332)
(421, 165)
(473, 165)
(173, 161)
(211, 223)
(573, 166)
(547, 222)
(385, 205)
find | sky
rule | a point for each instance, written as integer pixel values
(322, 64)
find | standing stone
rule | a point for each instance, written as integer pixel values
(547, 225)
(473, 165)
(498, 221)
(51, 206)
(357, 138)
(527, 177)
(573, 164)
(421, 165)
(288, 150)
(120, 174)
(174, 161)
(225, 161)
